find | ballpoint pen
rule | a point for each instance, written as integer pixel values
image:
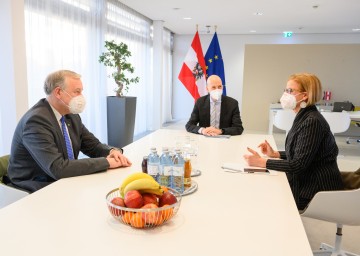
(231, 169)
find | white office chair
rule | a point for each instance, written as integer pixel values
(340, 207)
(338, 121)
(284, 119)
(9, 195)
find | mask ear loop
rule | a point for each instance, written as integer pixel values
(303, 104)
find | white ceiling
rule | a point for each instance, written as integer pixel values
(237, 16)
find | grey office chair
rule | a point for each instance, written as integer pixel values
(354, 140)
(8, 194)
(340, 207)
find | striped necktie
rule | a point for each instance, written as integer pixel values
(213, 115)
(67, 139)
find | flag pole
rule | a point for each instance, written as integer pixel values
(215, 28)
(197, 27)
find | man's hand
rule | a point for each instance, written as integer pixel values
(117, 159)
(211, 131)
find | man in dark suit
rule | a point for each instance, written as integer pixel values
(215, 114)
(50, 135)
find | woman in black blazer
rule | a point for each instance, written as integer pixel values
(309, 159)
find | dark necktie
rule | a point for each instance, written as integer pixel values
(67, 139)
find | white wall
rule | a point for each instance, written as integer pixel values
(232, 49)
(14, 100)
(336, 65)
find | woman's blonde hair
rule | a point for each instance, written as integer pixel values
(310, 84)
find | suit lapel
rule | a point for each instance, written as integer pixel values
(59, 134)
(222, 111)
(207, 110)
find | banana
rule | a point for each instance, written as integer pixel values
(158, 191)
(142, 184)
(132, 177)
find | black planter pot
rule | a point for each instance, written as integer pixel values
(120, 120)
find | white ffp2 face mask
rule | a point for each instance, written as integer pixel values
(77, 104)
(288, 101)
(216, 94)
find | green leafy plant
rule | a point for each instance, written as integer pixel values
(117, 56)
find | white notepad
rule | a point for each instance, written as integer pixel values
(240, 168)
(222, 136)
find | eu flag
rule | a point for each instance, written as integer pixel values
(214, 61)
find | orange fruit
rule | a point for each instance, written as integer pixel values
(167, 213)
(137, 220)
(126, 218)
(165, 189)
(159, 219)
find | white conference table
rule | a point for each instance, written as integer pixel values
(229, 214)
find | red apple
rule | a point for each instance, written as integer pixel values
(133, 199)
(167, 198)
(150, 199)
(151, 216)
(118, 201)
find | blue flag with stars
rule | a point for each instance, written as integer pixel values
(214, 61)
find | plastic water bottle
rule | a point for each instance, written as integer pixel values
(166, 165)
(153, 164)
(177, 179)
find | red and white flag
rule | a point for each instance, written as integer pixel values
(327, 95)
(193, 70)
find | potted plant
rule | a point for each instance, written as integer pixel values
(116, 57)
(121, 109)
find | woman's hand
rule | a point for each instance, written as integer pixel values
(266, 149)
(255, 159)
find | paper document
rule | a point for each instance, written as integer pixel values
(219, 136)
(233, 167)
(242, 168)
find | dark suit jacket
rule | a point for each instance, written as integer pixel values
(309, 157)
(229, 117)
(38, 153)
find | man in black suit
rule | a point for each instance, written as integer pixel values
(215, 114)
(40, 153)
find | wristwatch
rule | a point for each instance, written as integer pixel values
(118, 149)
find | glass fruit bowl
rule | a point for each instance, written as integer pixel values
(142, 217)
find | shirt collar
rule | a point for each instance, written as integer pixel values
(56, 113)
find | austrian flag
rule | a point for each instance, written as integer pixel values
(193, 70)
